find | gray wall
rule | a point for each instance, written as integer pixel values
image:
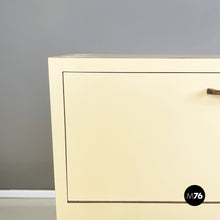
(30, 31)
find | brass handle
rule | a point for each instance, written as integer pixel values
(213, 91)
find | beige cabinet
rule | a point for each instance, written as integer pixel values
(131, 133)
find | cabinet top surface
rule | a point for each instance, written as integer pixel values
(152, 56)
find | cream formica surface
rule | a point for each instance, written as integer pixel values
(131, 133)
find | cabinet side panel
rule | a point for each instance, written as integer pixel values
(58, 134)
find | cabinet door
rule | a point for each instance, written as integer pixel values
(141, 136)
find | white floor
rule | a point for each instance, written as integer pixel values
(27, 209)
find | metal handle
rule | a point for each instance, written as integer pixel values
(213, 91)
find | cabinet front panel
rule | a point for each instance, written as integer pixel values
(141, 136)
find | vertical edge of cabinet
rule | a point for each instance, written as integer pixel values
(58, 134)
